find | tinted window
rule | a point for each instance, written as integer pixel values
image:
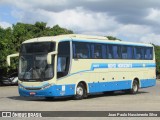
(127, 52)
(96, 51)
(81, 50)
(144, 53)
(63, 60)
(104, 52)
(130, 52)
(124, 52)
(137, 53)
(116, 51)
(64, 49)
(110, 52)
(148, 53)
(40, 47)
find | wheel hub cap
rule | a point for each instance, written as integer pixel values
(80, 91)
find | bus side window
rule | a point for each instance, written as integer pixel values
(97, 51)
(130, 52)
(74, 50)
(142, 50)
(151, 54)
(137, 53)
(148, 54)
(124, 52)
(104, 52)
(110, 52)
(116, 51)
(81, 50)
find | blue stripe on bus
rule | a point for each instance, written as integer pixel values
(122, 65)
(118, 85)
(147, 83)
(109, 86)
(117, 65)
(56, 90)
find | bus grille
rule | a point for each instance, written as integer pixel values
(33, 88)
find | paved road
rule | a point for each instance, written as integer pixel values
(147, 99)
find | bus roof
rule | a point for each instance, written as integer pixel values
(84, 38)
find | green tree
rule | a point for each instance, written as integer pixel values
(6, 48)
(112, 38)
(157, 55)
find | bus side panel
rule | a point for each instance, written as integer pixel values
(147, 83)
(92, 87)
(109, 86)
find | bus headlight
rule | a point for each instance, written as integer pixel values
(46, 86)
(21, 87)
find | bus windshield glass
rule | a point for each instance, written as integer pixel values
(33, 61)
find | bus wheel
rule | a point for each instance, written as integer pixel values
(135, 87)
(80, 92)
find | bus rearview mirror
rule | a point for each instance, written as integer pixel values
(49, 57)
(9, 58)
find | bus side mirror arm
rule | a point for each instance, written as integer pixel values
(9, 58)
(49, 57)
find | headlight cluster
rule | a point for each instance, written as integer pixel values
(46, 86)
(20, 86)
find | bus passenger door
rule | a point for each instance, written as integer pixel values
(63, 59)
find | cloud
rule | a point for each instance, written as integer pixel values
(81, 20)
(78, 19)
(127, 20)
(151, 38)
(4, 24)
(154, 15)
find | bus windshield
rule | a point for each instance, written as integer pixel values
(33, 61)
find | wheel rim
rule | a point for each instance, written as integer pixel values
(135, 87)
(79, 91)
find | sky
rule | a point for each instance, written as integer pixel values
(128, 20)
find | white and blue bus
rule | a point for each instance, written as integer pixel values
(78, 65)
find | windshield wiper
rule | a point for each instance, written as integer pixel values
(35, 69)
(27, 72)
(39, 75)
(42, 76)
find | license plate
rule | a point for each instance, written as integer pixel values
(32, 93)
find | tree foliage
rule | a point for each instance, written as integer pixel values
(112, 38)
(11, 39)
(157, 54)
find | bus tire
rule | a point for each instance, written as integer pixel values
(135, 87)
(80, 92)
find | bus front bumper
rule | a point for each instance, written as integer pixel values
(52, 91)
